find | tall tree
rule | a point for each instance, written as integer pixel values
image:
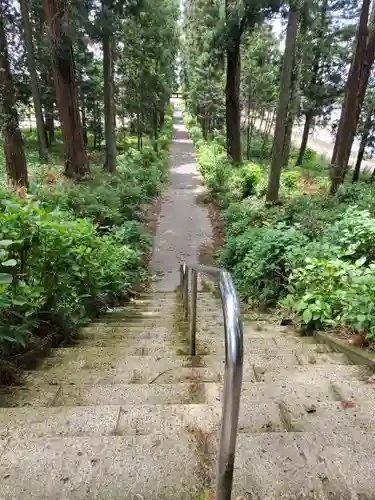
(294, 93)
(15, 161)
(366, 129)
(240, 17)
(59, 29)
(354, 94)
(232, 88)
(202, 61)
(284, 99)
(259, 83)
(146, 67)
(109, 49)
(43, 151)
(326, 55)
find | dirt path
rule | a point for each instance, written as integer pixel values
(184, 227)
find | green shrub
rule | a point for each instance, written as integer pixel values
(250, 212)
(259, 260)
(214, 165)
(70, 243)
(354, 233)
(244, 180)
(253, 175)
(133, 234)
(312, 213)
(52, 262)
(290, 178)
(330, 293)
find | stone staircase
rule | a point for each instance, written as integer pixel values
(127, 414)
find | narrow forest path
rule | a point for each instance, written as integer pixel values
(184, 227)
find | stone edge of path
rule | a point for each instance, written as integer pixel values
(355, 354)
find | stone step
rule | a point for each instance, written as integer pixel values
(255, 417)
(151, 369)
(44, 394)
(152, 330)
(171, 372)
(194, 392)
(110, 467)
(137, 420)
(158, 373)
(108, 357)
(173, 303)
(311, 465)
(317, 373)
(306, 392)
(209, 310)
(204, 345)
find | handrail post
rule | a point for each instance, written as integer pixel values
(193, 312)
(182, 275)
(186, 293)
(228, 438)
(233, 365)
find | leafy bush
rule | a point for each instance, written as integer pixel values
(214, 165)
(52, 261)
(259, 260)
(314, 253)
(253, 175)
(68, 245)
(334, 292)
(354, 233)
(312, 213)
(290, 178)
(244, 180)
(133, 234)
(250, 212)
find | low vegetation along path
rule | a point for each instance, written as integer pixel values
(127, 414)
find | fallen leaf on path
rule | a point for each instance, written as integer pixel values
(347, 404)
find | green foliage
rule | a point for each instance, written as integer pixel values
(52, 261)
(133, 234)
(69, 243)
(333, 292)
(227, 181)
(290, 178)
(313, 254)
(109, 199)
(258, 259)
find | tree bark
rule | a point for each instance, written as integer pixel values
(282, 109)
(49, 108)
(305, 137)
(248, 145)
(155, 128)
(43, 150)
(15, 161)
(292, 113)
(361, 152)
(84, 123)
(109, 47)
(232, 88)
(232, 101)
(76, 161)
(294, 99)
(312, 89)
(351, 105)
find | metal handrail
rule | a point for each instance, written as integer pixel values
(233, 363)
